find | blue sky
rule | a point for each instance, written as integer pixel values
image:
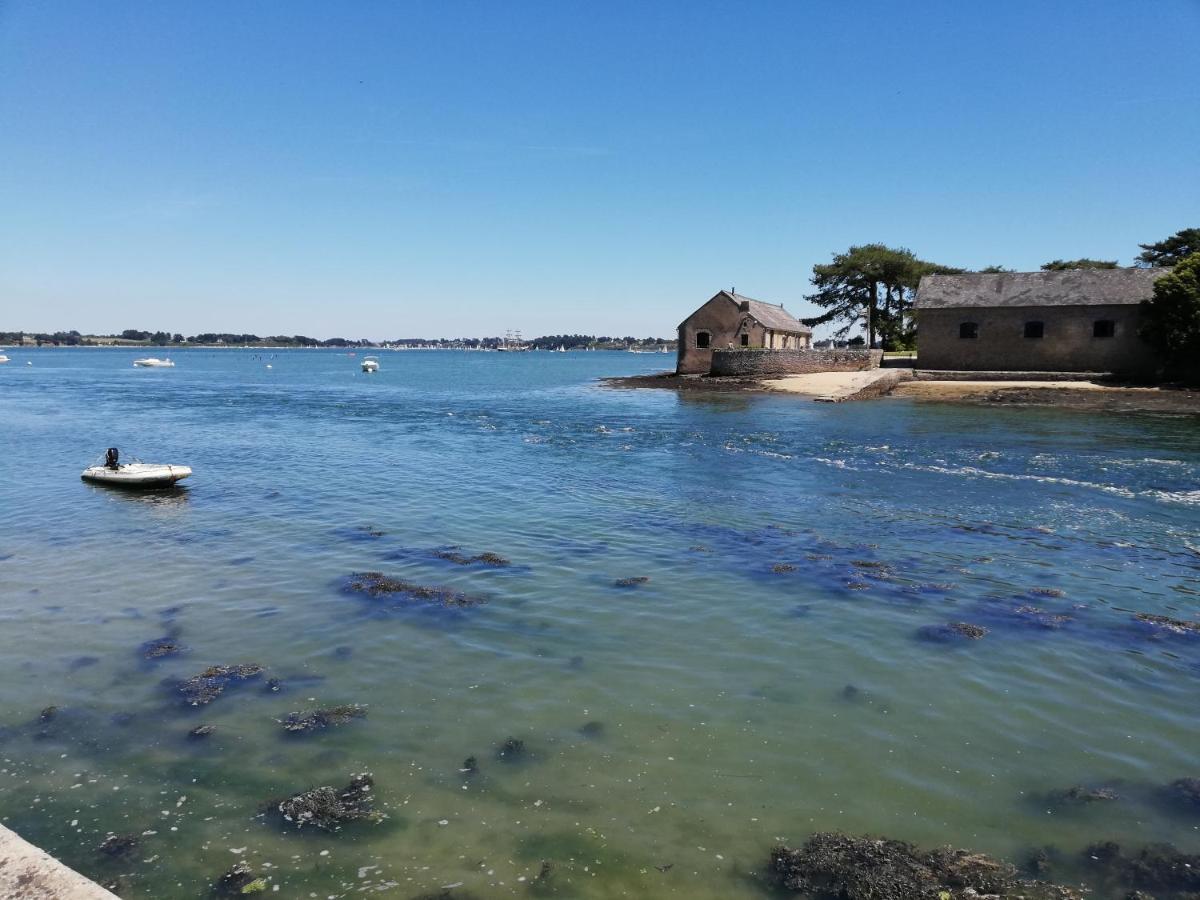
(461, 168)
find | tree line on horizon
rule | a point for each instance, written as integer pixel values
(167, 339)
(874, 286)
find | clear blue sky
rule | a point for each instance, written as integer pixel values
(460, 168)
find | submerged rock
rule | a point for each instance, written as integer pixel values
(592, 729)
(782, 568)
(470, 766)
(1185, 791)
(201, 731)
(1166, 623)
(1047, 592)
(511, 749)
(202, 689)
(48, 714)
(1038, 617)
(1078, 795)
(860, 868)
(487, 558)
(320, 719)
(635, 581)
(328, 808)
(120, 846)
(239, 881)
(376, 584)
(1157, 867)
(160, 647)
(952, 631)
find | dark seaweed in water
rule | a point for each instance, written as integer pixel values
(858, 868)
(202, 689)
(1078, 795)
(202, 731)
(1185, 791)
(632, 582)
(376, 584)
(320, 719)
(239, 881)
(1166, 623)
(160, 647)
(120, 846)
(782, 568)
(512, 748)
(952, 631)
(592, 729)
(1157, 867)
(487, 558)
(328, 808)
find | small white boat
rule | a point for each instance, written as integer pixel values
(370, 364)
(133, 474)
(3, 358)
(153, 362)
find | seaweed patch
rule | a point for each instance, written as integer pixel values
(202, 689)
(329, 808)
(377, 585)
(320, 719)
(487, 558)
(951, 631)
(861, 868)
(635, 581)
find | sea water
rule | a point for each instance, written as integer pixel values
(768, 675)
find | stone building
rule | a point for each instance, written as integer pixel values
(1078, 320)
(729, 320)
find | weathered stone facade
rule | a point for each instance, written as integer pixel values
(730, 320)
(1068, 342)
(1077, 320)
(792, 362)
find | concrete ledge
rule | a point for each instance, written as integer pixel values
(27, 873)
(967, 375)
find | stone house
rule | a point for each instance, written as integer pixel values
(1078, 320)
(729, 320)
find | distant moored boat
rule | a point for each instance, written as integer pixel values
(153, 362)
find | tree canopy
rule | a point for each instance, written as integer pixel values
(1171, 319)
(874, 285)
(1172, 250)
(1060, 265)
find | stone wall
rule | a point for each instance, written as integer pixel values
(792, 362)
(1068, 344)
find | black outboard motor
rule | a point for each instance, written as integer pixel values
(110, 458)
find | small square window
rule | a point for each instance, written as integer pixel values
(702, 340)
(745, 340)
(968, 331)
(1034, 329)
(1104, 328)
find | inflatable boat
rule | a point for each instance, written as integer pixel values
(134, 474)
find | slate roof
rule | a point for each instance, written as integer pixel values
(1072, 287)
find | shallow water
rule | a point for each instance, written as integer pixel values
(726, 723)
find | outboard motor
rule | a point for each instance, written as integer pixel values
(110, 458)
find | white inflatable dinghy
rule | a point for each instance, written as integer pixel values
(133, 474)
(137, 474)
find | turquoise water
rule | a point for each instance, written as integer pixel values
(733, 706)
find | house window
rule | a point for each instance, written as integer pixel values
(968, 331)
(1104, 328)
(1035, 329)
(745, 340)
(702, 339)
